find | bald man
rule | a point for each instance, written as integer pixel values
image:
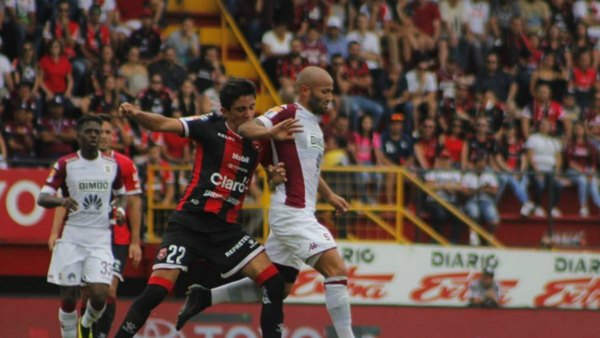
(296, 236)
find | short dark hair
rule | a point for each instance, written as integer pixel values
(235, 88)
(104, 117)
(87, 118)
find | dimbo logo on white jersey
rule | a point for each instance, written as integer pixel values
(94, 185)
(228, 183)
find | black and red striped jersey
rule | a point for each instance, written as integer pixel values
(223, 167)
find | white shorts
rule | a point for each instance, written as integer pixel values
(296, 237)
(73, 264)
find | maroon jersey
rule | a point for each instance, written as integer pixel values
(223, 167)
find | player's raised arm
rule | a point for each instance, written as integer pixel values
(151, 121)
(255, 129)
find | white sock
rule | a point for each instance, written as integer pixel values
(91, 315)
(241, 291)
(68, 323)
(337, 302)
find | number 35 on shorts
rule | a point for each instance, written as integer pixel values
(173, 254)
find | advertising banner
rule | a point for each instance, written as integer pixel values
(21, 219)
(423, 275)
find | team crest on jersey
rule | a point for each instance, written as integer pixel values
(315, 140)
(107, 168)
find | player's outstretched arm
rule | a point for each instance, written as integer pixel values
(134, 211)
(256, 130)
(151, 121)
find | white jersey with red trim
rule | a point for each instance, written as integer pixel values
(301, 156)
(91, 183)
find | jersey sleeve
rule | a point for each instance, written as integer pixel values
(118, 187)
(277, 114)
(130, 177)
(196, 127)
(56, 177)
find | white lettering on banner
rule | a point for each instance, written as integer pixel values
(245, 331)
(427, 275)
(12, 207)
(159, 328)
(228, 183)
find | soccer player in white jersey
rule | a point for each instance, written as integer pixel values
(87, 180)
(296, 236)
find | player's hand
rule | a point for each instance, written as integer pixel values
(338, 202)
(277, 174)
(52, 241)
(69, 204)
(285, 130)
(135, 254)
(126, 109)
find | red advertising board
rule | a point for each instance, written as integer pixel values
(22, 220)
(37, 318)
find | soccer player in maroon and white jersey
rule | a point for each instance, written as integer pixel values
(296, 236)
(204, 223)
(87, 180)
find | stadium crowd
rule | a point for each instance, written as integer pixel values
(475, 95)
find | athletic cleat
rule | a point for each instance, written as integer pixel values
(197, 299)
(83, 332)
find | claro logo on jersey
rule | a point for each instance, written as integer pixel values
(229, 184)
(94, 185)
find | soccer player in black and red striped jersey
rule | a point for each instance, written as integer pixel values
(204, 223)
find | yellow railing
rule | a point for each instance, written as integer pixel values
(365, 220)
(227, 20)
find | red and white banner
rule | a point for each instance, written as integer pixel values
(21, 219)
(426, 275)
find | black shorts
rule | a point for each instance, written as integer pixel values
(193, 235)
(120, 253)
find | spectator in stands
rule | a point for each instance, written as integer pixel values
(380, 20)
(20, 136)
(512, 166)
(361, 86)
(22, 21)
(313, 49)
(253, 17)
(502, 12)
(365, 149)
(207, 69)
(185, 42)
(94, 34)
(25, 98)
(56, 71)
(187, 101)
(426, 19)
(309, 13)
(422, 90)
(209, 98)
(3, 153)
(482, 141)
(587, 12)
(6, 80)
(370, 47)
(582, 160)
(583, 80)
(580, 42)
(536, 15)
(484, 292)
(562, 16)
(397, 150)
(453, 140)
(543, 107)
(452, 43)
(57, 133)
(445, 181)
(458, 107)
(450, 76)
(290, 65)
(570, 108)
(334, 39)
(544, 156)
(555, 45)
(396, 92)
(338, 128)
(106, 100)
(592, 122)
(480, 188)
(169, 69)
(275, 45)
(134, 73)
(477, 32)
(146, 38)
(427, 145)
(495, 112)
(547, 73)
(496, 80)
(106, 65)
(176, 149)
(515, 44)
(108, 10)
(26, 68)
(163, 184)
(63, 29)
(156, 98)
